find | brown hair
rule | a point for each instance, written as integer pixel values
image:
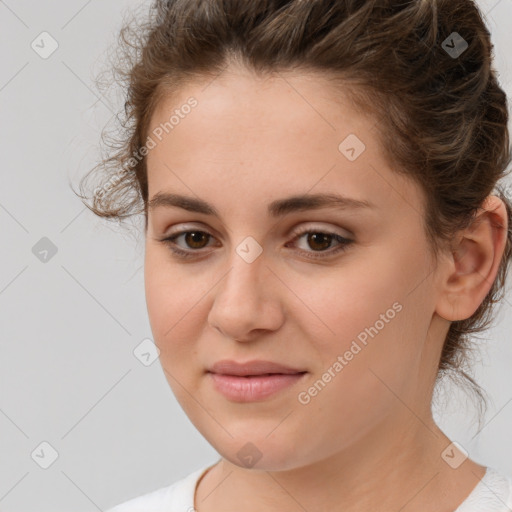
(441, 116)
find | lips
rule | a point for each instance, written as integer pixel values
(252, 381)
(252, 368)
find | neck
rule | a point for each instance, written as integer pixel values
(387, 469)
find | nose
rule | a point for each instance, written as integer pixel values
(247, 300)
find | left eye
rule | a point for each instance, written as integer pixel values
(317, 239)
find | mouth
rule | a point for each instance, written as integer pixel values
(252, 368)
(253, 388)
(256, 374)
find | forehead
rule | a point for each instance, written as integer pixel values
(263, 139)
(240, 106)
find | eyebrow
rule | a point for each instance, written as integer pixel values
(277, 208)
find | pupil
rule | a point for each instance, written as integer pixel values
(315, 237)
(193, 235)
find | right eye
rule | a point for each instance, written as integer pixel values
(194, 237)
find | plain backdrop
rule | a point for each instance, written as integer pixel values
(84, 424)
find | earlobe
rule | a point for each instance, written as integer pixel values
(474, 262)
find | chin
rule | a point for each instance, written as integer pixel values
(260, 454)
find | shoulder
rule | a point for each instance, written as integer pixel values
(178, 497)
(502, 487)
(492, 494)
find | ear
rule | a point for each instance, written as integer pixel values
(472, 266)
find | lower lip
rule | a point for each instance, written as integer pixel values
(252, 389)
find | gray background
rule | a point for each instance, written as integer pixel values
(68, 374)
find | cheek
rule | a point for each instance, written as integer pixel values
(368, 342)
(367, 312)
(340, 304)
(173, 307)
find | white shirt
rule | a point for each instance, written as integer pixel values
(492, 494)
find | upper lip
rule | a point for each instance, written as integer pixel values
(255, 367)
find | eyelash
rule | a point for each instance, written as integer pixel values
(343, 243)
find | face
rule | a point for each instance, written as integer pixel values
(350, 304)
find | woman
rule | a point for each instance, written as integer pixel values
(324, 230)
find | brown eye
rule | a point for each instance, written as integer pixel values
(319, 241)
(194, 239)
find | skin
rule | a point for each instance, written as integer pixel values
(367, 441)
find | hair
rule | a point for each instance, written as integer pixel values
(441, 118)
